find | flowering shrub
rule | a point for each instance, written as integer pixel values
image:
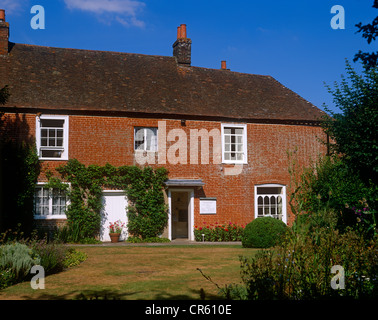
(116, 227)
(219, 232)
(299, 268)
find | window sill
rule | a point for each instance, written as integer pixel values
(50, 217)
(53, 159)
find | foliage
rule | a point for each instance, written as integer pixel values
(300, 267)
(73, 258)
(147, 212)
(355, 129)
(52, 255)
(329, 184)
(369, 32)
(4, 95)
(19, 170)
(264, 232)
(219, 232)
(16, 259)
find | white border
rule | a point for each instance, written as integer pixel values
(245, 142)
(65, 135)
(284, 209)
(191, 212)
(50, 216)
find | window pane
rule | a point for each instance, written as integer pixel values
(238, 130)
(51, 153)
(227, 130)
(52, 123)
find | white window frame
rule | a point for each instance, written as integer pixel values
(283, 196)
(145, 138)
(245, 143)
(64, 148)
(50, 215)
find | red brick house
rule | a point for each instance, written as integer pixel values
(222, 135)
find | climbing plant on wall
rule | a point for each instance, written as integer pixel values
(147, 211)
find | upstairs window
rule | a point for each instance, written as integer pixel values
(145, 139)
(234, 143)
(52, 137)
(270, 201)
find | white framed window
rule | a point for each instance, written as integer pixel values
(270, 201)
(49, 203)
(234, 143)
(145, 139)
(52, 137)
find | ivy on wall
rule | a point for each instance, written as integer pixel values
(147, 211)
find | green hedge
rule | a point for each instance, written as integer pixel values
(264, 232)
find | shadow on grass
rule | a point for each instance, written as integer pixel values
(117, 295)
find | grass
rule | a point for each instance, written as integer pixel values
(140, 273)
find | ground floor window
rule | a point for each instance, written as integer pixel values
(49, 202)
(270, 200)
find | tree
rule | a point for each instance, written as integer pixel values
(4, 95)
(370, 32)
(355, 129)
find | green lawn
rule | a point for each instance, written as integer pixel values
(141, 272)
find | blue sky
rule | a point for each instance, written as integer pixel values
(291, 41)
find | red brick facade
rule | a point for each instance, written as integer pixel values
(104, 139)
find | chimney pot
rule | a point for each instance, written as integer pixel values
(178, 32)
(183, 31)
(223, 65)
(2, 15)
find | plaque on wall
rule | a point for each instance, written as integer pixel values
(208, 205)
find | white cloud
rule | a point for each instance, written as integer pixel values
(13, 6)
(122, 11)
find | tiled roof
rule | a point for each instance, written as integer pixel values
(84, 80)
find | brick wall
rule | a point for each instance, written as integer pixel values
(101, 140)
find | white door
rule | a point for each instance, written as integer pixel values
(114, 209)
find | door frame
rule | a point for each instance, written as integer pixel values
(113, 193)
(190, 212)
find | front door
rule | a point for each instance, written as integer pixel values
(180, 214)
(114, 209)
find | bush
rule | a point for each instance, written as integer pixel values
(300, 269)
(73, 258)
(52, 256)
(264, 232)
(16, 260)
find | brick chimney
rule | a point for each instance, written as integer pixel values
(182, 48)
(4, 34)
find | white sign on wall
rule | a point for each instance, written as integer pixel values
(208, 205)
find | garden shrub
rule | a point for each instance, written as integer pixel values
(16, 260)
(52, 256)
(73, 258)
(264, 232)
(300, 268)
